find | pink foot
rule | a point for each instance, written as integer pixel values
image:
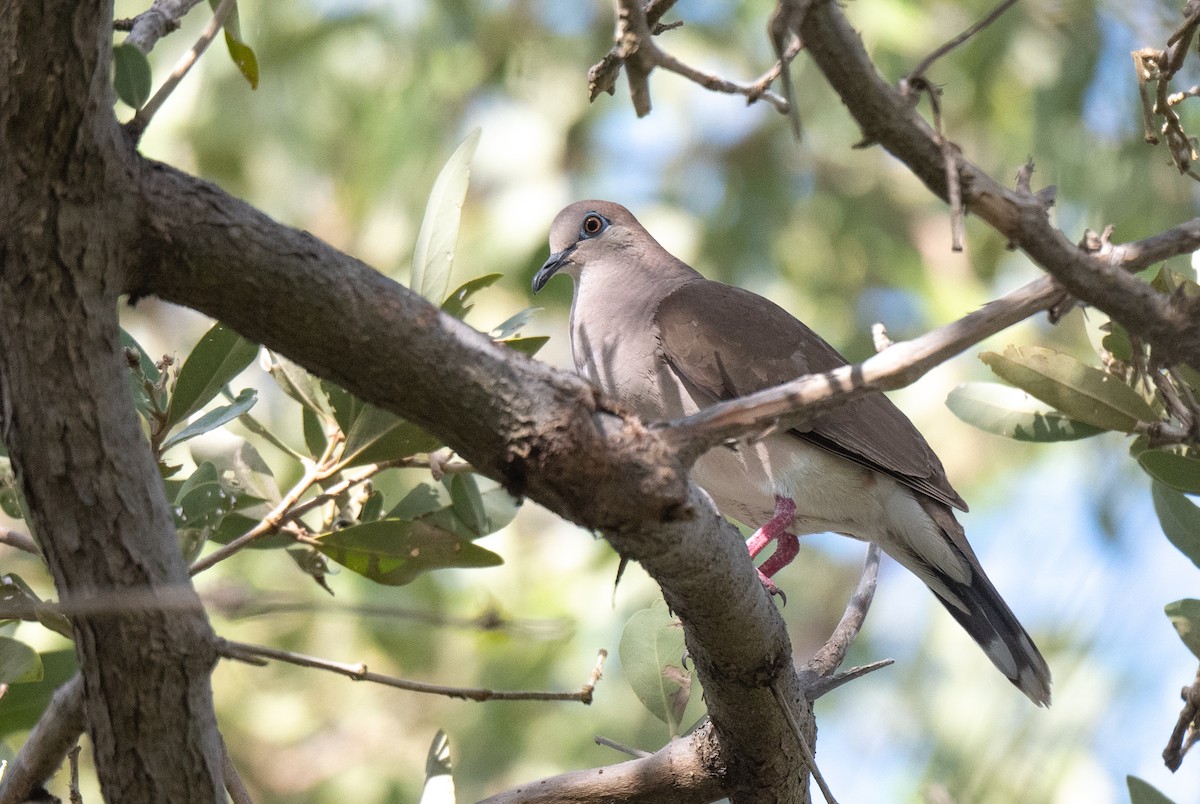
(776, 530)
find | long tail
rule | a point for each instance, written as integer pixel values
(980, 610)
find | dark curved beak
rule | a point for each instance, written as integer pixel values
(550, 267)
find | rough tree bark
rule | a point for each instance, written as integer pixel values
(68, 214)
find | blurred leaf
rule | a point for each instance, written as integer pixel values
(513, 325)
(434, 251)
(468, 504)
(240, 469)
(220, 356)
(458, 303)
(499, 508)
(1144, 793)
(422, 499)
(1117, 343)
(10, 495)
(23, 704)
(1179, 470)
(373, 507)
(236, 523)
(530, 346)
(314, 433)
(1185, 616)
(215, 418)
(301, 386)
(439, 783)
(14, 588)
(1083, 393)
(651, 652)
(239, 51)
(131, 75)
(1012, 413)
(202, 500)
(394, 552)
(1180, 520)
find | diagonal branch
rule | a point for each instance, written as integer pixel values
(1170, 325)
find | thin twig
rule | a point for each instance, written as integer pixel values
(73, 762)
(831, 655)
(809, 758)
(21, 541)
(919, 71)
(143, 116)
(359, 672)
(1187, 722)
(233, 781)
(55, 732)
(624, 749)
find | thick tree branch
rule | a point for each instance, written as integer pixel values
(1170, 325)
(543, 433)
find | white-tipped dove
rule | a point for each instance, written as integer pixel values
(656, 335)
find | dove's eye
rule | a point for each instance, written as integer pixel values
(593, 224)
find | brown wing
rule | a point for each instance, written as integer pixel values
(726, 342)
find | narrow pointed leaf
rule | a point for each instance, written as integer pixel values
(239, 51)
(1180, 520)
(529, 346)
(499, 508)
(1012, 413)
(220, 356)
(468, 504)
(434, 252)
(458, 303)
(301, 386)
(215, 418)
(377, 435)
(514, 324)
(1083, 393)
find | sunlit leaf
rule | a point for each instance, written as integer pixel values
(439, 783)
(394, 552)
(1012, 413)
(513, 325)
(458, 303)
(239, 51)
(1185, 616)
(215, 418)
(220, 356)
(651, 651)
(434, 251)
(1180, 520)
(1179, 469)
(131, 75)
(530, 346)
(1083, 393)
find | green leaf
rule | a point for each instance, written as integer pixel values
(377, 435)
(394, 552)
(499, 508)
(1185, 616)
(468, 503)
(131, 75)
(458, 303)
(1141, 792)
(1083, 393)
(1012, 413)
(202, 501)
(434, 251)
(237, 523)
(314, 433)
(10, 495)
(19, 663)
(220, 356)
(24, 703)
(651, 651)
(422, 499)
(241, 470)
(239, 51)
(1179, 469)
(215, 418)
(529, 346)
(1180, 520)
(301, 386)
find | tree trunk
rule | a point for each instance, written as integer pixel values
(67, 230)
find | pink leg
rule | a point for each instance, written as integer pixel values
(776, 530)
